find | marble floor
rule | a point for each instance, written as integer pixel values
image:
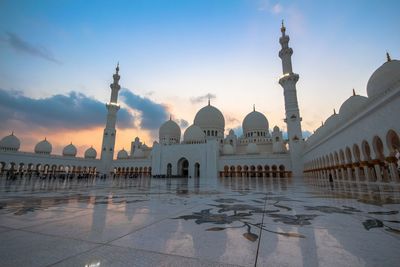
(198, 222)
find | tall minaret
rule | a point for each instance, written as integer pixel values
(107, 148)
(293, 120)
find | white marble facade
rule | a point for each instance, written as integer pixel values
(360, 143)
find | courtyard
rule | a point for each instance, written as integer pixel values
(239, 221)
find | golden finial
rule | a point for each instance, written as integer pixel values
(254, 107)
(117, 68)
(170, 117)
(354, 92)
(334, 111)
(208, 99)
(388, 57)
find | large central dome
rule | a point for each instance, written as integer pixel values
(209, 117)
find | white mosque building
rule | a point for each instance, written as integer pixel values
(360, 143)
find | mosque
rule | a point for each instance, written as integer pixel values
(360, 143)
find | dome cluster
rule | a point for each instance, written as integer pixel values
(209, 124)
(11, 143)
(348, 110)
(383, 79)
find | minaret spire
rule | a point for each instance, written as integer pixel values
(283, 29)
(293, 120)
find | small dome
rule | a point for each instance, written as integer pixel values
(138, 153)
(90, 153)
(122, 154)
(276, 129)
(332, 121)
(194, 134)
(170, 129)
(69, 151)
(353, 104)
(43, 147)
(383, 78)
(255, 121)
(209, 117)
(252, 148)
(10, 143)
(228, 149)
(231, 132)
(145, 146)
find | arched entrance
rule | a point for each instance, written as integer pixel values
(183, 167)
(169, 170)
(197, 170)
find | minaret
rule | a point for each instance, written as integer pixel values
(107, 148)
(293, 120)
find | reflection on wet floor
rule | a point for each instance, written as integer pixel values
(225, 211)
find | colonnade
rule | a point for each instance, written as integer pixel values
(255, 171)
(357, 162)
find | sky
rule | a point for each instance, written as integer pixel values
(57, 59)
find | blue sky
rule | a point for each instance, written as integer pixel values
(172, 52)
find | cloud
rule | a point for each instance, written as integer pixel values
(152, 114)
(71, 111)
(183, 123)
(21, 45)
(199, 99)
(230, 119)
(277, 8)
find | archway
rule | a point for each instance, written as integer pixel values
(366, 150)
(197, 170)
(266, 169)
(169, 170)
(183, 167)
(377, 144)
(281, 171)
(393, 142)
(274, 170)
